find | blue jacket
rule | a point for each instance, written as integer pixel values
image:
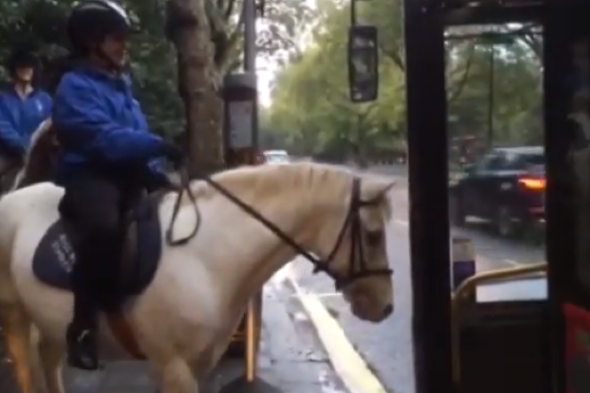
(20, 117)
(100, 127)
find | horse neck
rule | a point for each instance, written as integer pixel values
(249, 252)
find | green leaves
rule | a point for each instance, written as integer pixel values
(42, 23)
(310, 97)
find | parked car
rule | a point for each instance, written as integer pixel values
(278, 157)
(505, 187)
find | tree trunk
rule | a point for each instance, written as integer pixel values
(188, 29)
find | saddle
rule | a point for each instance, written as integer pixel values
(54, 259)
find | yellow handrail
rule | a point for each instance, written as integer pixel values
(467, 288)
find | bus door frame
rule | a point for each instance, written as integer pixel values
(425, 22)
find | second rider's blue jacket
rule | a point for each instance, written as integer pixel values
(100, 127)
(20, 117)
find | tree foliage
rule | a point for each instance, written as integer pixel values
(40, 24)
(493, 87)
(311, 110)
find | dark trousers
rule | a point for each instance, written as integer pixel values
(94, 207)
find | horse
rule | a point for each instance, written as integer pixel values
(225, 238)
(38, 162)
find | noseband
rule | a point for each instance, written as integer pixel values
(357, 267)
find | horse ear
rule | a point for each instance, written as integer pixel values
(374, 188)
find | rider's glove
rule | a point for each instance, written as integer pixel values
(173, 153)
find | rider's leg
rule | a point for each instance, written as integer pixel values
(92, 202)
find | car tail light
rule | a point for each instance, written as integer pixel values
(532, 183)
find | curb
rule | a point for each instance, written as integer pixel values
(346, 361)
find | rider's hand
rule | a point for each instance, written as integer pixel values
(173, 153)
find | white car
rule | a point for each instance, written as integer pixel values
(276, 157)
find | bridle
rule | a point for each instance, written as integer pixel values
(357, 267)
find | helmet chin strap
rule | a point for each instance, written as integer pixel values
(22, 81)
(16, 78)
(112, 66)
(108, 62)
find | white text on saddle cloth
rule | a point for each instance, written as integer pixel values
(64, 253)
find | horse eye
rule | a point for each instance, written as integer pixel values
(374, 238)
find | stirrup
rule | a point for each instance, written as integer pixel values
(83, 354)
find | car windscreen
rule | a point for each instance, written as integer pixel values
(277, 158)
(533, 159)
(523, 161)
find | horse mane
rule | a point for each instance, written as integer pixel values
(261, 181)
(40, 158)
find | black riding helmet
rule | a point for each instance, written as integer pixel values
(20, 58)
(91, 21)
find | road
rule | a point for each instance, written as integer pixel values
(387, 347)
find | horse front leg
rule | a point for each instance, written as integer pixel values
(17, 335)
(50, 354)
(176, 377)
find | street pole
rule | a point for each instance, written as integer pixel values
(491, 102)
(249, 10)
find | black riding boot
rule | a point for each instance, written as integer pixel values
(81, 336)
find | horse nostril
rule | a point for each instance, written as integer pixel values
(388, 310)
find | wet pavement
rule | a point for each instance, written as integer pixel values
(291, 359)
(387, 347)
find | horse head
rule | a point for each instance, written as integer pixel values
(40, 159)
(333, 217)
(351, 239)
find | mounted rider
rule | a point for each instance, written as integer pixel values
(108, 158)
(23, 107)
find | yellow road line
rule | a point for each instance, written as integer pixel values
(348, 364)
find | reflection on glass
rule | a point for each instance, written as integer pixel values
(579, 124)
(496, 174)
(363, 63)
(363, 59)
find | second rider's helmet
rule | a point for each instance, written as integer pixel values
(91, 21)
(20, 58)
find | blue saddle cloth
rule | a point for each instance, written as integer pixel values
(54, 257)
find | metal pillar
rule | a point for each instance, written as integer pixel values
(563, 25)
(428, 184)
(491, 96)
(250, 382)
(249, 11)
(250, 55)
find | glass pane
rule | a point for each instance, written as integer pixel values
(494, 90)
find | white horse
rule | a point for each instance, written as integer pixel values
(184, 319)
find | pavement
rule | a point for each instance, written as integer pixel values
(291, 360)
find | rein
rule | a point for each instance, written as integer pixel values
(185, 187)
(355, 270)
